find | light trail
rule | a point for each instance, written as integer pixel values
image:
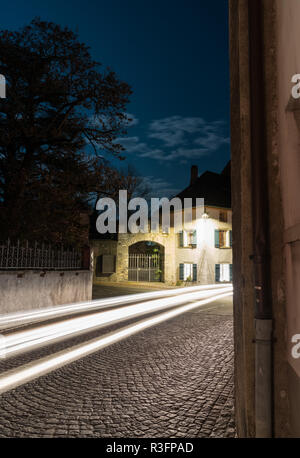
(10, 320)
(14, 378)
(22, 341)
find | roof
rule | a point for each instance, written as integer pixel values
(213, 187)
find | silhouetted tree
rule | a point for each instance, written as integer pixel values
(62, 113)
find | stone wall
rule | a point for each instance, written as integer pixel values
(28, 289)
(99, 248)
(126, 240)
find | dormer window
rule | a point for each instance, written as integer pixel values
(223, 217)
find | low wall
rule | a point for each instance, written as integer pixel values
(25, 290)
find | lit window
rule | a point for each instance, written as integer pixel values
(224, 272)
(223, 239)
(188, 272)
(185, 239)
(188, 239)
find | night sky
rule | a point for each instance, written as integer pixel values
(174, 54)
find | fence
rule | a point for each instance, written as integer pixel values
(22, 255)
(145, 268)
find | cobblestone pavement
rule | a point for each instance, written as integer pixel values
(172, 380)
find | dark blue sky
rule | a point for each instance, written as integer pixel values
(174, 54)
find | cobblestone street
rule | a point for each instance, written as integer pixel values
(172, 380)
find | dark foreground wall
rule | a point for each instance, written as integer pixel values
(277, 25)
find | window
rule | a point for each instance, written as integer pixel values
(223, 216)
(105, 264)
(188, 272)
(224, 272)
(188, 239)
(223, 239)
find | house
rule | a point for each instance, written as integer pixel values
(200, 254)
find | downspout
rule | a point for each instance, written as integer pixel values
(263, 305)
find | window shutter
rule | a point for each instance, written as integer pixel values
(98, 266)
(108, 264)
(230, 267)
(194, 239)
(181, 239)
(217, 271)
(217, 238)
(195, 272)
(230, 235)
(181, 271)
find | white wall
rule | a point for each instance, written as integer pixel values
(206, 256)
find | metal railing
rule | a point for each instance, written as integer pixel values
(23, 255)
(145, 268)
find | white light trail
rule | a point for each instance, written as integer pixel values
(38, 315)
(14, 378)
(22, 341)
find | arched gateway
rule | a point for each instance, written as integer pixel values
(146, 262)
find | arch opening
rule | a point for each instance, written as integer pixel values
(146, 262)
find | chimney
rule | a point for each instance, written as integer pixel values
(194, 174)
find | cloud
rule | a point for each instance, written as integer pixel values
(130, 120)
(187, 153)
(179, 131)
(211, 141)
(178, 138)
(168, 138)
(134, 145)
(172, 130)
(131, 144)
(103, 121)
(159, 187)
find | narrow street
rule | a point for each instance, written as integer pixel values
(174, 379)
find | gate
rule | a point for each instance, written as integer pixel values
(145, 267)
